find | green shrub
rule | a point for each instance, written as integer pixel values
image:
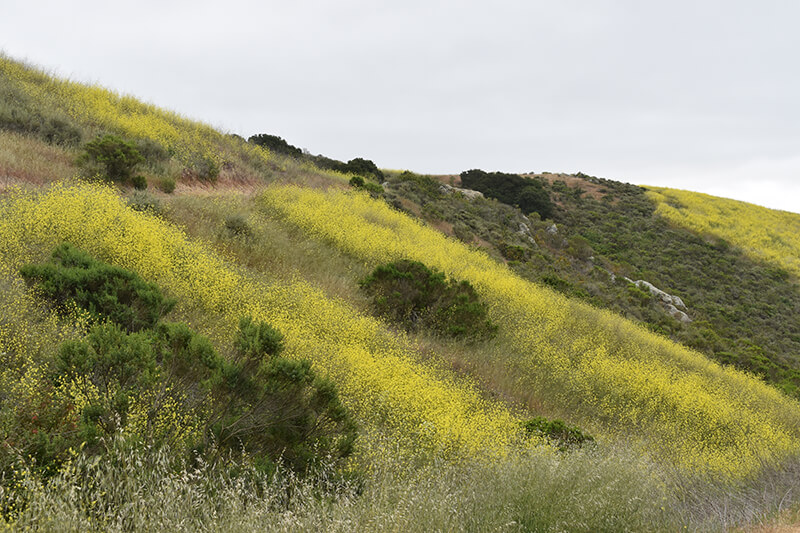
(167, 185)
(512, 189)
(357, 182)
(118, 157)
(105, 291)
(275, 144)
(139, 182)
(558, 432)
(415, 296)
(277, 407)
(111, 369)
(463, 232)
(513, 252)
(363, 167)
(161, 383)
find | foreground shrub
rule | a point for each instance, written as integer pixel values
(161, 383)
(139, 182)
(413, 296)
(105, 291)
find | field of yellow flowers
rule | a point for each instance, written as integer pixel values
(614, 374)
(376, 372)
(764, 233)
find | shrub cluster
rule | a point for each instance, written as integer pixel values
(512, 189)
(358, 166)
(163, 384)
(415, 296)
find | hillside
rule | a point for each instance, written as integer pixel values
(231, 229)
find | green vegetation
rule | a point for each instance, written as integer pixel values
(414, 296)
(117, 157)
(160, 383)
(275, 144)
(528, 194)
(73, 277)
(742, 311)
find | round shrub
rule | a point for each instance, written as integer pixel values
(167, 185)
(139, 182)
(118, 157)
(415, 296)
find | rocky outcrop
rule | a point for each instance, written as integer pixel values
(525, 232)
(469, 194)
(673, 305)
(677, 314)
(658, 293)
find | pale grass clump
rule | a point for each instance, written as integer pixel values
(150, 490)
(615, 375)
(764, 233)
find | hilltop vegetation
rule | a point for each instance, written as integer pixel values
(259, 237)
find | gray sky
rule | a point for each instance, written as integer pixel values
(701, 95)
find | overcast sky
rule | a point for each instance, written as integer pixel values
(701, 95)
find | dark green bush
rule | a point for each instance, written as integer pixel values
(357, 182)
(558, 432)
(203, 168)
(512, 189)
(363, 167)
(275, 144)
(139, 182)
(118, 157)
(105, 291)
(415, 296)
(257, 405)
(276, 407)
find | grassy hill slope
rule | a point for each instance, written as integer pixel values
(679, 437)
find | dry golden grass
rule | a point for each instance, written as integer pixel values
(25, 159)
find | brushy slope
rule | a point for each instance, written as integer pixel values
(376, 372)
(766, 233)
(652, 404)
(742, 310)
(707, 418)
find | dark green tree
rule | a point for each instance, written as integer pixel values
(118, 157)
